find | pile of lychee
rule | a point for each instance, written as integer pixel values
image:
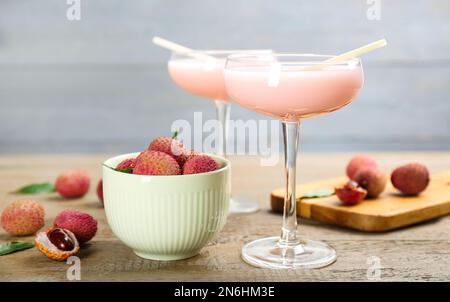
(71, 228)
(168, 156)
(367, 180)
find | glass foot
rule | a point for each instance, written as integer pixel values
(266, 253)
(241, 206)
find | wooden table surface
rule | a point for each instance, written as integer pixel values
(420, 252)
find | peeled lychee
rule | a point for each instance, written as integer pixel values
(358, 162)
(372, 179)
(156, 163)
(100, 191)
(410, 179)
(126, 164)
(172, 147)
(23, 217)
(350, 193)
(83, 225)
(200, 164)
(73, 183)
(57, 243)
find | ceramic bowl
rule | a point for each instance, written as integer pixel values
(166, 217)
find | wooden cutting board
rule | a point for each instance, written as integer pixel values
(389, 211)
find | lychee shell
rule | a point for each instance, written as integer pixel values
(200, 164)
(47, 248)
(171, 147)
(410, 179)
(126, 164)
(372, 179)
(100, 191)
(358, 162)
(156, 163)
(83, 225)
(73, 183)
(23, 217)
(350, 193)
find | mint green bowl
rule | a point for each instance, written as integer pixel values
(166, 217)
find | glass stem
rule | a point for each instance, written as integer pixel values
(223, 116)
(289, 229)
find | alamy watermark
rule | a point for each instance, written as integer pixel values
(73, 12)
(374, 10)
(74, 271)
(375, 269)
(250, 137)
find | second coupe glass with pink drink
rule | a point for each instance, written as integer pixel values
(201, 73)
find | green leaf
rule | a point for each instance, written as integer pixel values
(318, 194)
(45, 187)
(14, 246)
(128, 170)
(175, 134)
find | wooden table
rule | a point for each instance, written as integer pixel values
(420, 252)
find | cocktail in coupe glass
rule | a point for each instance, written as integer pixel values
(291, 87)
(201, 73)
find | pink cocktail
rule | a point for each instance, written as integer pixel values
(204, 76)
(199, 77)
(291, 87)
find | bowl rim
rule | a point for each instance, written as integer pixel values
(135, 154)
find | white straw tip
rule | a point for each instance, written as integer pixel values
(382, 42)
(156, 39)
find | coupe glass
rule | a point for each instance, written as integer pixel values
(290, 87)
(205, 78)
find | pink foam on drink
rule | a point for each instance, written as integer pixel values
(295, 93)
(199, 77)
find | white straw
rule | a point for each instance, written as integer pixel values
(350, 54)
(180, 49)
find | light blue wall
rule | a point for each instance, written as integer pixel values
(99, 85)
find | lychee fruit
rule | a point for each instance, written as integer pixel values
(172, 147)
(191, 154)
(73, 183)
(83, 225)
(127, 164)
(372, 179)
(156, 163)
(358, 162)
(200, 164)
(350, 193)
(410, 179)
(23, 217)
(57, 243)
(100, 190)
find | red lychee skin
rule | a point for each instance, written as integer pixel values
(126, 164)
(171, 147)
(192, 154)
(358, 162)
(73, 184)
(350, 193)
(410, 179)
(372, 179)
(156, 163)
(200, 164)
(83, 225)
(22, 218)
(100, 190)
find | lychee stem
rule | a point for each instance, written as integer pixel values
(289, 228)
(175, 134)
